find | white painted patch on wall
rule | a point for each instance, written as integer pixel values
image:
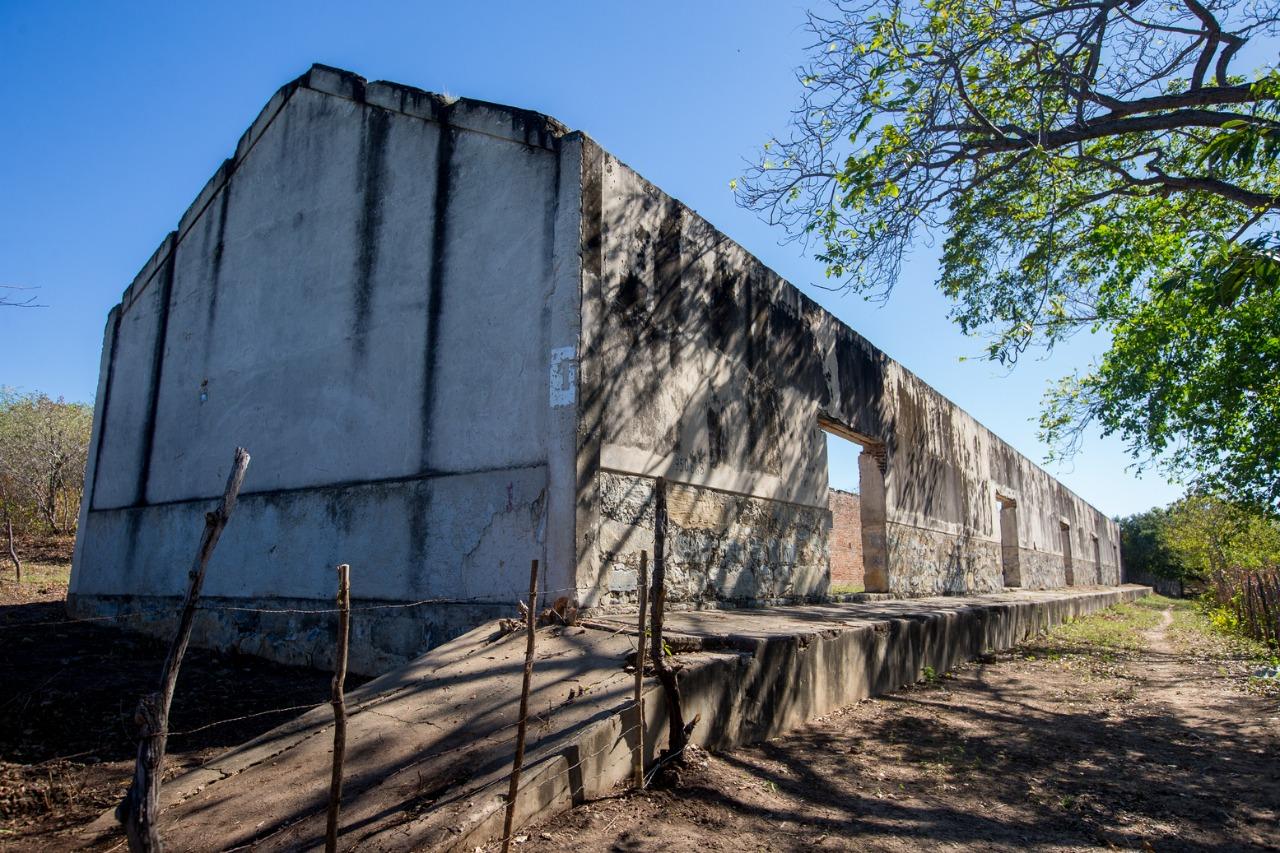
(564, 376)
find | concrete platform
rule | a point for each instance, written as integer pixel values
(429, 745)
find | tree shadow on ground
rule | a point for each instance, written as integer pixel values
(1001, 761)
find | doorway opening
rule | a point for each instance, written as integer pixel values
(1009, 541)
(1097, 559)
(871, 459)
(1068, 570)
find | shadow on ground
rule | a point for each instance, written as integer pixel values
(1045, 747)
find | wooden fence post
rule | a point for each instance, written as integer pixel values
(13, 552)
(531, 625)
(339, 707)
(141, 805)
(643, 591)
(670, 688)
(1273, 609)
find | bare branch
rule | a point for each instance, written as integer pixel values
(19, 302)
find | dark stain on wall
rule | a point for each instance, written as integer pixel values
(592, 209)
(157, 368)
(104, 403)
(219, 248)
(860, 368)
(133, 530)
(631, 299)
(370, 177)
(724, 317)
(796, 358)
(668, 273)
(435, 284)
(768, 425)
(715, 432)
(419, 527)
(338, 509)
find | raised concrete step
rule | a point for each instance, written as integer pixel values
(429, 746)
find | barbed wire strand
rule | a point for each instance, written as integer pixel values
(155, 614)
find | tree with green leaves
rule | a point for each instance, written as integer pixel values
(1144, 546)
(43, 447)
(1207, 535)
(1101, 165)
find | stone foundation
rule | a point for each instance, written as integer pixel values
(1041, 570)
(930, 562)
(724, 549)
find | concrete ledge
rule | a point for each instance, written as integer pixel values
(802, 664)
(429, 745)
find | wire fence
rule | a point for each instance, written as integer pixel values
(1252, 597)
(480, 741)
(140, 810)
(154, 614)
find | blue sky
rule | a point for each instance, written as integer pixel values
(113, 117)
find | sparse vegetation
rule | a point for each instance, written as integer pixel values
(1120, 628)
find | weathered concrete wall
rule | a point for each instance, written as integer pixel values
(456, 338)
(703, 366)
(846, 538)
(407, 398)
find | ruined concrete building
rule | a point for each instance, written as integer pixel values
(457, 337)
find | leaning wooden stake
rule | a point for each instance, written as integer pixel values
(531, 625)
(670, 688)
(643, 592)
(339, 707)
(141, 806)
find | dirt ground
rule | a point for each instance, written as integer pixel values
(67, 740)
(1136, 729)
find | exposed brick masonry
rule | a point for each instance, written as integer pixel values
(846, 538)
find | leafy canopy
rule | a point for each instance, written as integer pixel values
(1094, 165)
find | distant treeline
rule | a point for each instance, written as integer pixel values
(1225, 552)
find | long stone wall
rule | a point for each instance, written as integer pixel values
(701, 365)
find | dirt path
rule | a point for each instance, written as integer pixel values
(1135, 730)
